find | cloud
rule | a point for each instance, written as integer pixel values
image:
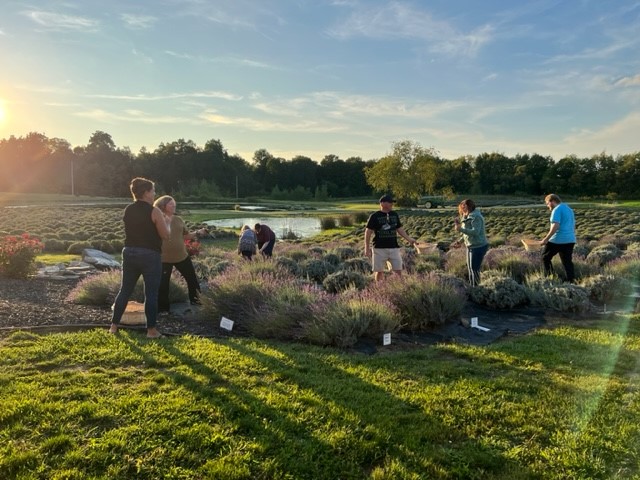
(243, 62)
(399, 20)
(617, 137)
(268, 125)
(339, 105)
(136, 116)
(633, 81)
(138, 21)
(59, 21)
(170, 96)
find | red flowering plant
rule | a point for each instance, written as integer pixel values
(193, 247)
(17, 255)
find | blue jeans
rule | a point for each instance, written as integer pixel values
(138, 261)
(475, 255)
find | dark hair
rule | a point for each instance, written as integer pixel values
(470, 204)
(257, 227)
(139, 186)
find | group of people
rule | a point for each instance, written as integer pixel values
(384, 226)
(261, 238)
(155, 244)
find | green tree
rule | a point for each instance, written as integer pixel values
(407, 172)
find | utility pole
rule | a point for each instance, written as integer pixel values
(73, 191)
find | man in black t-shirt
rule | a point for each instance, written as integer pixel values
(384, 225)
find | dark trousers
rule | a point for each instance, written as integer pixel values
(475, 255)
(185, 267)
(138, 261)
(566, 252)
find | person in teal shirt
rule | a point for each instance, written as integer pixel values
(471, 225)
(561, 237)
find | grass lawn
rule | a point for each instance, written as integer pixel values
(556, 404)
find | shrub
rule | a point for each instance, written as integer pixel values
(327, 223)
(422, 302)
(360, 217)
(343, 321)
(516, 262)
(627, 267)
(316, 270)
(345, 220)
(332, 259)
(344, 280)
(102, 245)
(289, 265)
(76, 248)
(345, 253)
(604, 288)
(237, 295)
(455, 262)
(360, 264)
(499, 291)
(602, 254)
(317, 251)
(17, 255)
(283, 313)
(297, 255)
(563, 297)
(53, 245)
(101, 289)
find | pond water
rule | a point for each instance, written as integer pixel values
(301, 226)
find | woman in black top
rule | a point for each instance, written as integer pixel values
(145, 227)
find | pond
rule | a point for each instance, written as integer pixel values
(301, 226)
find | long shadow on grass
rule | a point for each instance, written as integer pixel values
(283, 438)
(392, 430)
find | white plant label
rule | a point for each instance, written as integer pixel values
(226, 324)
(386, 339)
(474, 322)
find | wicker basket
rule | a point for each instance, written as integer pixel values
(531, 245)
(134, 314)
(423, 248)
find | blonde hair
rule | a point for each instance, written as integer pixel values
(162, 202)
(246, 227)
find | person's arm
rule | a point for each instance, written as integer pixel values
(162, 223)
(553, 229)
(367, 241)
(404, 235)
(475, 230)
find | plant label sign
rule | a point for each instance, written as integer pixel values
(474, 324)
(386, 339)
(226, 323)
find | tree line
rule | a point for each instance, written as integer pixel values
(35, 163)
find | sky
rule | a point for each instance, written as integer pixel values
(326, 77)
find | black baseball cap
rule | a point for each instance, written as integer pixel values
(386, 198)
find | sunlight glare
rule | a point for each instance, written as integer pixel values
(3, 114)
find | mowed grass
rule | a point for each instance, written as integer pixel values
(559, 403)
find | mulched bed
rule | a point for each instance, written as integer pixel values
(41, 304)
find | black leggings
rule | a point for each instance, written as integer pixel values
(185, 267)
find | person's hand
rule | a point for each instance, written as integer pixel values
(367, 251)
